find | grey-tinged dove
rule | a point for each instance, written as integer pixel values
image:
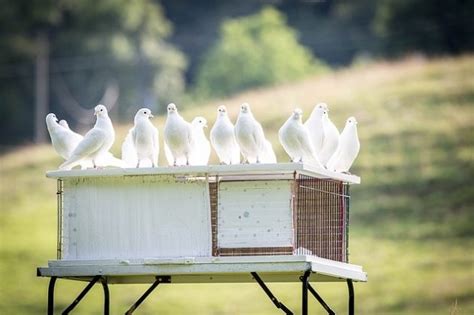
(295, 139)
(96, 142)
(249, 135)
(347, 150)
(201, 148)
(178, 135)
(315, 127)
(63, 139)
(144, 137)
(330, 141)
(268, 155)
(223, 138)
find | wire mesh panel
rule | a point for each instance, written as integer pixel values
(321, 218)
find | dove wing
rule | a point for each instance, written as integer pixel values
(156, 146)
(129, 153)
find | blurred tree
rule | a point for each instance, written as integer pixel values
(254, 51)
(93, 48)
(434, 27)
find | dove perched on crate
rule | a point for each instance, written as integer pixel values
(347, 150)
(96, 142)
(250, 136)
(315, 127)
(178, 136)
(295, 139)
(201, 148)
(330, 141)
(64, 140)
(141, 143)
(223, 138)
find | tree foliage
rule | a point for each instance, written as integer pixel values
(254, 51)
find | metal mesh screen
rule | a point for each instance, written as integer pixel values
(213, 190)
(321, 218)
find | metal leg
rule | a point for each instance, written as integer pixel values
(275, 301)
(320, 300)
(159, 279)
(350, 286)
(81, 295)
(305, 281)
(105, 287)
(52, 282)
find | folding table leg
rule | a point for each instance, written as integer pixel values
(52, 282)
(305, 281)
(105, 287)
(350, 286)
(81, 295)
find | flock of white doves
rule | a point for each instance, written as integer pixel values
(316, 142)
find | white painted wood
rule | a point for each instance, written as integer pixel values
(142, 216)
(209, 269)
(255, 214)
(212, 170)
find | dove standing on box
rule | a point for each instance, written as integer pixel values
(249, 135)
(347, 150)
(141, 144)
(223, 138)
(314, 124)
(64, 140)
(330, 141)
(201, 148)
(295, 139)
(178, 136)
(96, 142)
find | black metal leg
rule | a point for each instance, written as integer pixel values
(143, 297)
(81, 295)
(350, 286)
(269, 293)
(105, 287)
(52, 282)
(305, 280)
(320, 300)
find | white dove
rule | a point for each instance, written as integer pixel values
(347, 150)
(315, 127)
(295, 139)
(144, 140)
(249, 135)
(96, 142)
(330, 141)
(63, 139)
(201, 148)
(223, 138)
(178, 136)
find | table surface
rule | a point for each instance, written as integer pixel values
(279, 268)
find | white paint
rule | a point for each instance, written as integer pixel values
(255, 214)
(135, 217)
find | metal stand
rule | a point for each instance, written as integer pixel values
(275, 301)
(159, 279)
(81, 295)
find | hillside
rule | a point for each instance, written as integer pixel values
(411, 218)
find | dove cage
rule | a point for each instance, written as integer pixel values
(195, 224)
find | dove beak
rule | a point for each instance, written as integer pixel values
(151, 115)
(205, 125)
(96, 113)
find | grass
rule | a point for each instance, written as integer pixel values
(411, 219)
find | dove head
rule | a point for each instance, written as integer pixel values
(51, 118)
(351, 121)
(320, 109)
(221, 110)
(100, 111)
(297, 114)
(245, 108)
(172, 108)
(143, 113)
(64, 123)
(200, 122)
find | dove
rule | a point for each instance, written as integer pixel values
(178, 136)
(315, 127)
(295, 139)
(330, 141)
(347, 150)
(96, 142)
(63, 139)
(201, 148)
(141, 142)
(223, 138)
(249, 135)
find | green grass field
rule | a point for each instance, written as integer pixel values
(412, 219)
